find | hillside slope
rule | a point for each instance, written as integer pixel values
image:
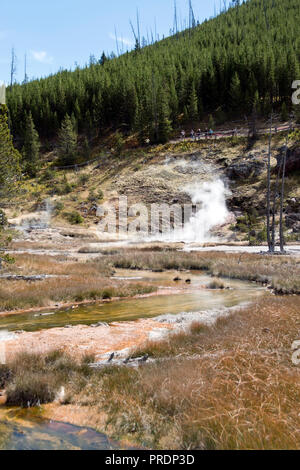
(243, 58)
(165, 174)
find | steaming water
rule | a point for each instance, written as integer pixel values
(214, 212)
(6, 335)
(210, 199)
(41, 220)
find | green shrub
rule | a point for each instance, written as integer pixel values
(262, 235)
(48, 175)
(83, 179)
(58, 207)
(66, 188)
(73, 218)
(93, 197)
(118, 143)
(242, 228)
(107, 294)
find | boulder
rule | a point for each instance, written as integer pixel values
(292, 219)
(245, 169)
(296, 227)
(292, 205)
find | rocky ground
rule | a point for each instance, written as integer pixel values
(159, 175)
(99, 340)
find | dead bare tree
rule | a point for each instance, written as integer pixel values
(25, 70)
(117, 42)
(275, 197)
(192, 20)
(281, 230)
(270, 244)
(271, 239)
(138, 26)
(175, 27)
(13, 67)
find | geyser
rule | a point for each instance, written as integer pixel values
(210, 199)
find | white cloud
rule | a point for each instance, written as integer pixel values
(125, 41)
(42, 56)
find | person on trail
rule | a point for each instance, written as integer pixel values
(211, 133)
(192, 134)
(183, 134)
(198, 134)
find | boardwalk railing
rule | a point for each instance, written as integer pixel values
(234, 132)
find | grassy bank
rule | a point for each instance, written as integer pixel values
(282, 273)
(76, 281)
(73, 282)
(231, 386)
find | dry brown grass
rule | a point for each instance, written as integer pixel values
(32, 379)
(232, 386)
(75, 281)
(281, 272)
(59, 265)
(90, 280)
(229, 387)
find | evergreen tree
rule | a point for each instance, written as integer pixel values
(164, 123)
(67, 141)
(220, 116)
(193, 105)
(31, 148)
(86, 148)
(9, 175)
(229, 60)
(9, 158)
(235, 94)
(103, 59)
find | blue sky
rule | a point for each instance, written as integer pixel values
(58, 33)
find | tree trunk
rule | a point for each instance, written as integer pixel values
(282, 193)
(270, 244)
(275, 195)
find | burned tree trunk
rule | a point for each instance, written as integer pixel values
(271, 245)
(281, 234)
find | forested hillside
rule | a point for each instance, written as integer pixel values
(245, 58)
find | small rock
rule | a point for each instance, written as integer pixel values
(144, 358)
(266, 330)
